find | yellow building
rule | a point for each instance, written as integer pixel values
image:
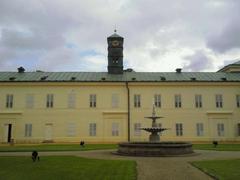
(111, 106)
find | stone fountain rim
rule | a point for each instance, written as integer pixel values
(167, 144)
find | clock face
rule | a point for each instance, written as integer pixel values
(115, 43)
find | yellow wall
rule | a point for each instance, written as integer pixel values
(104, 115)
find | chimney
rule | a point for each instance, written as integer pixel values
(178, 70)
(21, 70)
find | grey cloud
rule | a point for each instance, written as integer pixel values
(226, 37)
(167, 25)
(226, 40)
(197, 62)
(58, 58)
(29, 40)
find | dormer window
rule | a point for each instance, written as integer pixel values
(12, 78)
(44, 78)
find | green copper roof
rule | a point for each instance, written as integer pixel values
(115, 35)
(236, 64)
(126, 76)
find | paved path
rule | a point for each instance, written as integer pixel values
(152, 168)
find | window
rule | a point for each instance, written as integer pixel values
(220, 129)
(238, 129)
(159, 125)
(71, 100)
(157, 100)
(199, 129)
(219, 101)
(137, 100)
(49, 101)
(92, 129)
(179, 129)
(9, 101)
(29, 101)
(115, 100)
(28, 130)
(71, 129)
(115, 129)
(93, 100)
(198, 101)
(137, 130)
(178, 102)
(238, 100)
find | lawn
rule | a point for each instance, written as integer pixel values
(55, 147)
(220, 147)
(66, 167)
(221, 169)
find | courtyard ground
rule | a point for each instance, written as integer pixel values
(153, 168)
(66, 168)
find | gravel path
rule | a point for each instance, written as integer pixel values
(152, 168)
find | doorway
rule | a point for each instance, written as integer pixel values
(7, 133)
(48, 132)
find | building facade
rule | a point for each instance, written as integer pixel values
(105, 107)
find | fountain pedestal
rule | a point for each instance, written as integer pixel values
(154, 137)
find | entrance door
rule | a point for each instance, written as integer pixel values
(7, 133)
(48, 132)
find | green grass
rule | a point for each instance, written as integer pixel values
(221, 169)
(55, 147)
(220, 147)
(66, 167)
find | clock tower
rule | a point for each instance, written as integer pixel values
(115, 54)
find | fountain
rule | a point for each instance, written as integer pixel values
(154, 147)
(154, 130)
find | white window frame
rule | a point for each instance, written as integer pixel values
(220, 129)
(198, 101)
(157, 100)
(137, 100)
(137, 130)
(238, 129)
(179, 129)
(178, 100)
(72, 100)
(93, 100)
(200, 129)
(71, 129)
(238, 100)
(115, 100)
(50, 100)
(29, 101)
(9, 100)
(92, 129)
(159, 125)
(219, 100)
(115, 129)
(28, 130)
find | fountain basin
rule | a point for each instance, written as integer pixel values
(155, 148)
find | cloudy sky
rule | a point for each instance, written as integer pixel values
(160, 35)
